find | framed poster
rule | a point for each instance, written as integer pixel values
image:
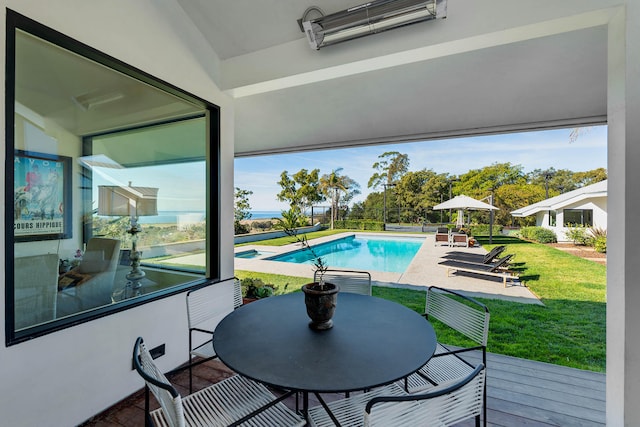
(41, 196)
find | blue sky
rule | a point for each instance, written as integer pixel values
(532, 150)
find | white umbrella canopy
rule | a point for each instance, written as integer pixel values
(461, 203)
(464, 202)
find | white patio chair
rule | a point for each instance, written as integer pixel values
(203, 308)
(389, 406)
(352, 281)
(443, 236)
(465, 315)
(237, 293)
(221, 404)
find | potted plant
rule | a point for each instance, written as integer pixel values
(320, 297)
(255, 289)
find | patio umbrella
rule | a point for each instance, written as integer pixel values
(462, 203)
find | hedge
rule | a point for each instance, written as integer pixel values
(355, 224)
(539, 234)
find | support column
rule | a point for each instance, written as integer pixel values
(623, 269)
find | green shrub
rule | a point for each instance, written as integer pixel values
(538, 234)
(600, 244)
(256, 288)
(239, 228)
(262, 225)
(578, 235)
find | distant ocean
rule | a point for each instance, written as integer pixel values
(265, 214)
(172, 217)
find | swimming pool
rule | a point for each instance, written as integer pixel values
(361, 252)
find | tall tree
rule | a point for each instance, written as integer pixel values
(331, 185)
(241, 209)
(417, 193)
(510, 197)
(590, 177)
(372, 206)
(478, 183)
(389, 169)
(301, 190)
(353, 189)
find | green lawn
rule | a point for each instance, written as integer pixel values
(568, 330)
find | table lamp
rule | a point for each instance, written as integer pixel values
(134, 202)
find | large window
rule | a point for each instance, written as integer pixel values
(109, 201)
(580, 217)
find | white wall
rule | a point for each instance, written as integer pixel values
(597, 205)
(66, 377)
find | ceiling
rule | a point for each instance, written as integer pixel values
(82, 96)
(240, 27)
(434, 79)
(539, 81)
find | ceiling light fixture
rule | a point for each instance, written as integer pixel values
(369, 18)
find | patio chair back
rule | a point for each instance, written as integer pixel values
(237, 292)
(204, 309)
(442, 236)
(166, 395)
(493, 253)
(234, 400)
(355, 282)
(445, 405)
(502, 262)
(471, 320)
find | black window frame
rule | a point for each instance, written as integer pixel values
(582, 217)
(15, 22)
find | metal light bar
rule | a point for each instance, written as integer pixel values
(370, 18)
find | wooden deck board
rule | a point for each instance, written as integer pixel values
(529, 393)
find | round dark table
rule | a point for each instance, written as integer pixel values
(373, 342)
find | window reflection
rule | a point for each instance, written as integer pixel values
(103, 128)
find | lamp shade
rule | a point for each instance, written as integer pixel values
(115, 200)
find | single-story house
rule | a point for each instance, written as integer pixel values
(164, 94)
(583, 207)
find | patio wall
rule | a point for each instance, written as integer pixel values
(65, 377)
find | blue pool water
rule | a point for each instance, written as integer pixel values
(390, 254)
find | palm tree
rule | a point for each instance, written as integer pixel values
(330, 185)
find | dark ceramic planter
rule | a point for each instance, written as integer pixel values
(321, 304)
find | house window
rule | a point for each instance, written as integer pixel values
(111, 203)
(581, 217)
(552, 218)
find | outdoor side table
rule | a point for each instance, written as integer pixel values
(373, 342)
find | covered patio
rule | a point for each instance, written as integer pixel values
(489, 67)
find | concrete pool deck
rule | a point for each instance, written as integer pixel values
(423, 271)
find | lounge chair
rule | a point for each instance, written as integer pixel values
(487, 258)
(459, 239)
(442, 236)
(502, 262)
(493, 270)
